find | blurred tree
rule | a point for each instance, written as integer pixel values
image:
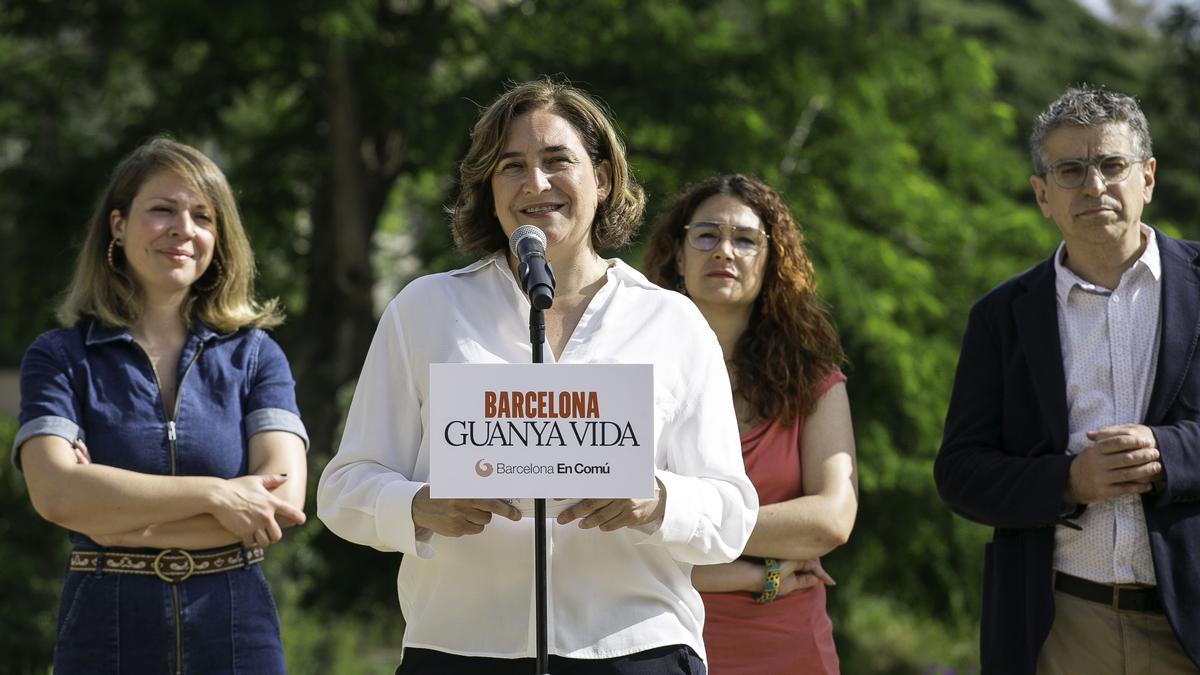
(1171, 101)
(1041, 46)
(33, 555)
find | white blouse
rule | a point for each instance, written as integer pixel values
(610, 593)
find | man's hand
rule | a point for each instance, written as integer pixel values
(456, 517)
(1122, 460)
(613, 514)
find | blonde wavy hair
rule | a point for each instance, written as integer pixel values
(222, 298)
(473, 220)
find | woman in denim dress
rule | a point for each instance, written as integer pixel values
(160, 428)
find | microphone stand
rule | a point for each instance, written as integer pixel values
(537, 335)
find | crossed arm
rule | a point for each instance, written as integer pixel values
(800, 530)
(117, 507)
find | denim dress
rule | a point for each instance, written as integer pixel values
(94, 383)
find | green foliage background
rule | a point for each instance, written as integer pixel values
(895, 130)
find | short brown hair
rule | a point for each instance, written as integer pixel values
(790, 344)
(223, 298)
(472, 217)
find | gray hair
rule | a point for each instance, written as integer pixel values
(1089, 106)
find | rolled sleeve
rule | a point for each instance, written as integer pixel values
(49, 405)
(45, 426)
(275, 419)
(271, 385)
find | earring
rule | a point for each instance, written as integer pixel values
(217, 276)
(680, 286)
(112, 265)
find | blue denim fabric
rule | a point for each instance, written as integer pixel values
(124, 623)
(93, 382)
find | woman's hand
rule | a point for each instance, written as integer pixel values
(750, 575)
(273, 514)
(613, 514)
(456, 517)
(247, 508)
(82, 456)
(795, 575)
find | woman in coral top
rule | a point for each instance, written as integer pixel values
(731, 245)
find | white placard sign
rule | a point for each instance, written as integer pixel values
(501, 430)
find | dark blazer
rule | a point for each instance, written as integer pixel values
(1003, 463)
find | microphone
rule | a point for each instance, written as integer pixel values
(528, 244)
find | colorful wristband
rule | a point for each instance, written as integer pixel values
(771, 583)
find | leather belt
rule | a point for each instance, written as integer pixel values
(172, 565)
(1120, 598)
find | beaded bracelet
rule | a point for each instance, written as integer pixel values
(771, 583)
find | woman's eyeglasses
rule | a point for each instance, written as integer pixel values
(746, 241)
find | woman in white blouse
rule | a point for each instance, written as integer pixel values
(620, 595)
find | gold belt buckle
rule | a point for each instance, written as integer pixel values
(162, 575)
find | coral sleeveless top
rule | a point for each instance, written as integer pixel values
(793, 634)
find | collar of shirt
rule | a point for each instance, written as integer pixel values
(617, 269)
(99, 333)
(1065, 279)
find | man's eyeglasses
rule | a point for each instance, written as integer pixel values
(746, 241)
(1072, 173)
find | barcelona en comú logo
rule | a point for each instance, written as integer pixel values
(483, 468)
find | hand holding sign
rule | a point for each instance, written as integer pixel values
(520, 431)
(456, 517)
(613, 514)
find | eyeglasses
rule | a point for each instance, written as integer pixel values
(1072, 173)
(746, 241)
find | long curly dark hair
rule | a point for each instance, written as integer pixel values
(790, 344)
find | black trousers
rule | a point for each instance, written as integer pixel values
(670, 660)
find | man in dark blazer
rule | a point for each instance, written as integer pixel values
(1074, 423)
